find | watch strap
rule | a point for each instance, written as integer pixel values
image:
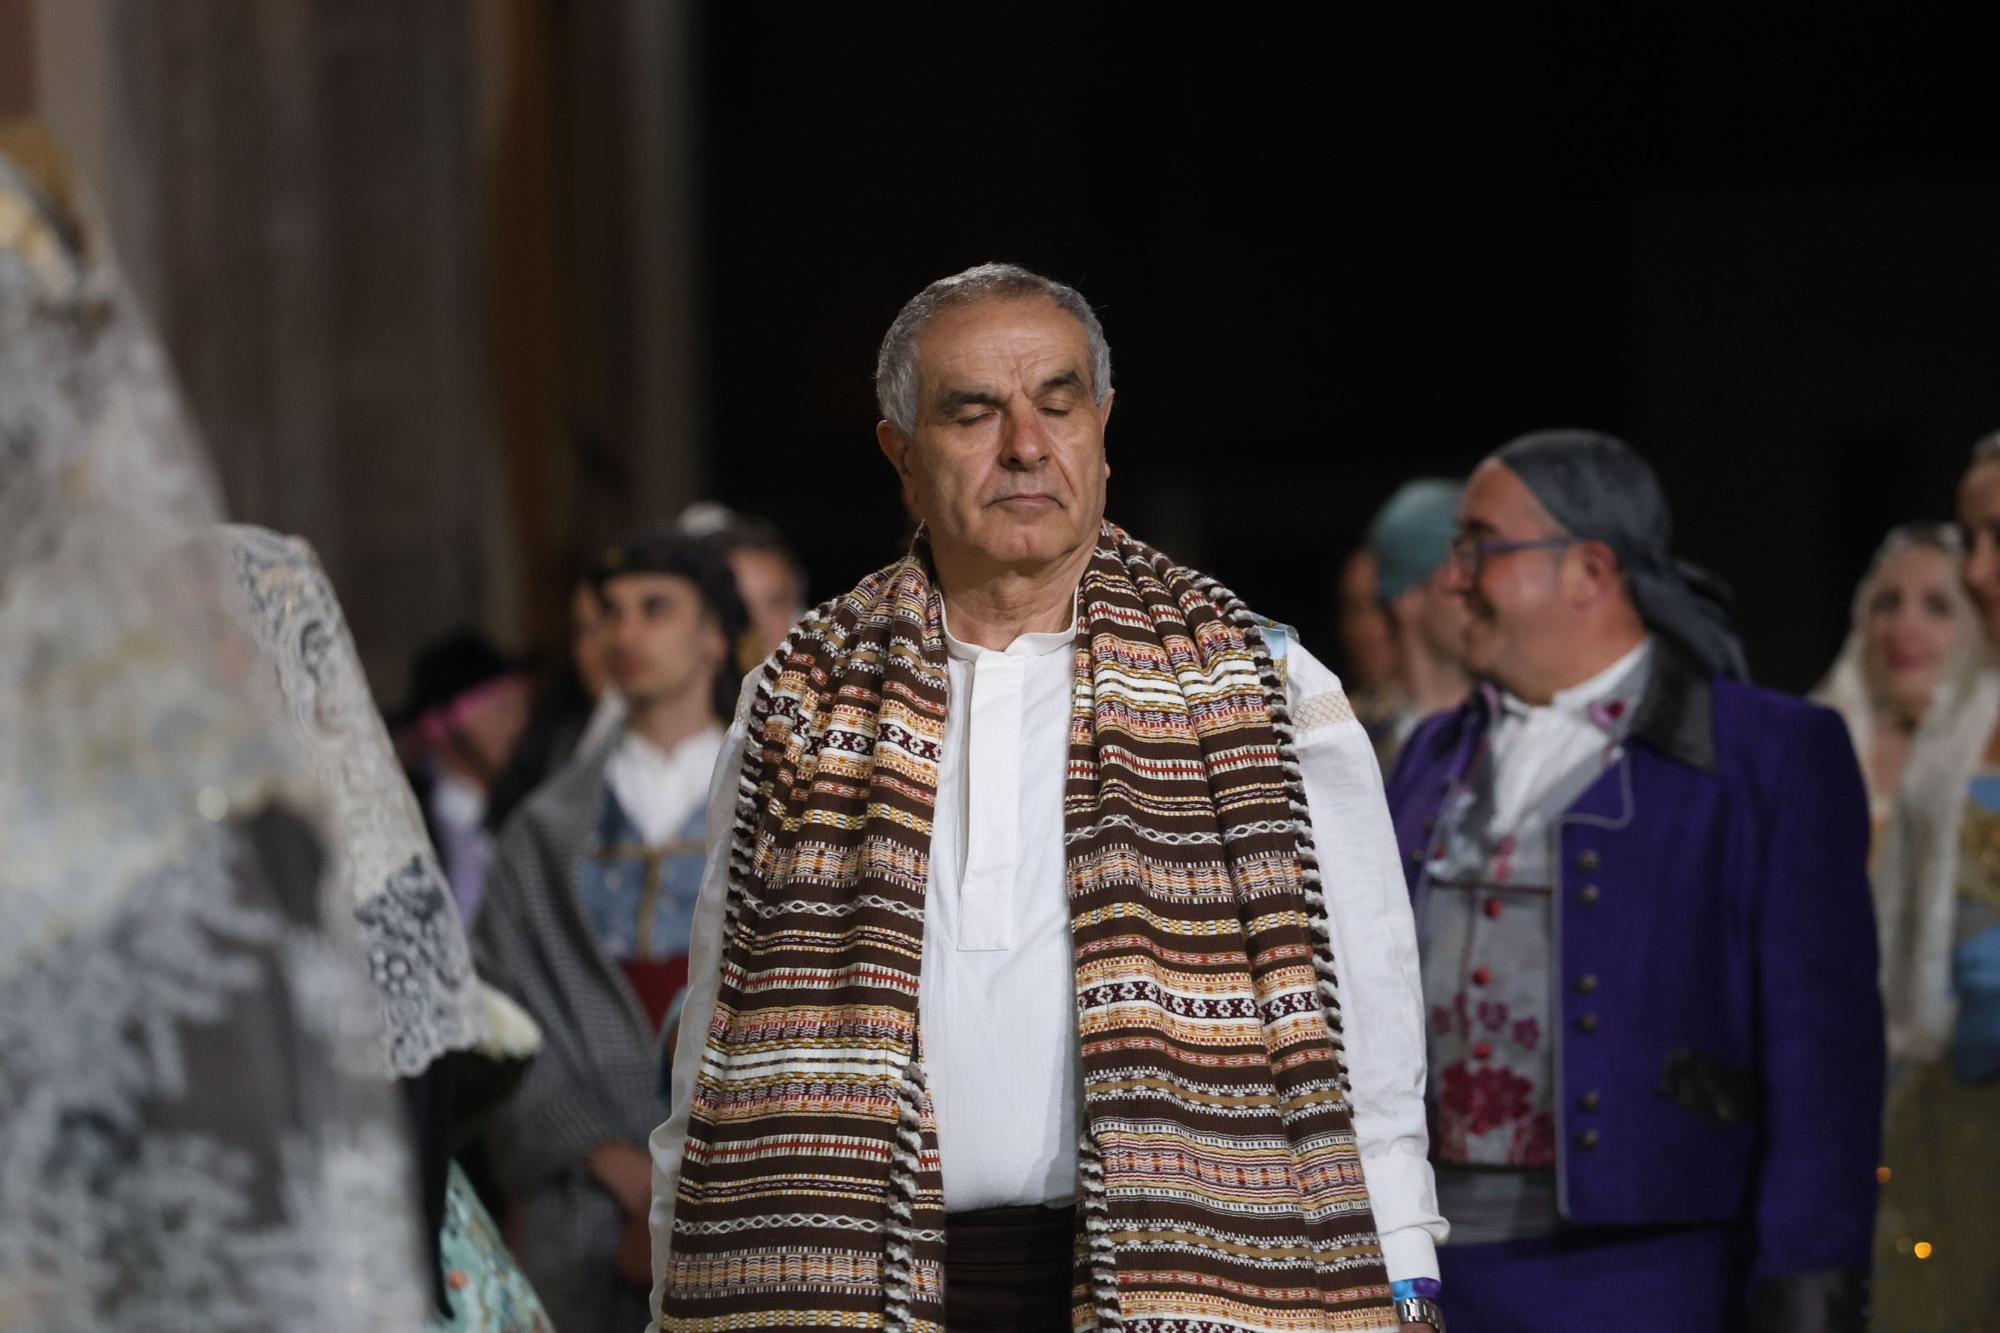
(1420, 1310)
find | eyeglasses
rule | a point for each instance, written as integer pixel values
(1471, 553)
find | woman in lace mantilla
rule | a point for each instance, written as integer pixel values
(189, 1137)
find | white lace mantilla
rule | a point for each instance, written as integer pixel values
(383, 860)
(185, 1141)
(182, 1148)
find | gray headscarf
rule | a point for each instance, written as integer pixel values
(1599, 489)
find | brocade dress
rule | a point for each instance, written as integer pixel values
(1937, 1243)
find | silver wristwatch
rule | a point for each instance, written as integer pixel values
(1421, 1310)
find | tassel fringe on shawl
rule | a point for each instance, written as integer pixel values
(1220, 1185)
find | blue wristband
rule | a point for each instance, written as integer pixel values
(1416, 1288)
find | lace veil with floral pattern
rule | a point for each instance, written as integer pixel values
(194, 1132)
(384, 865)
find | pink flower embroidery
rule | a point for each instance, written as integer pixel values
(1492, 1015)
(1534, 1143)
(1485, 1098)
(1528, 1033)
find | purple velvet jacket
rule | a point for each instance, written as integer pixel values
(1719, 1053)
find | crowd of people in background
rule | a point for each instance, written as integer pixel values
(1710, 975)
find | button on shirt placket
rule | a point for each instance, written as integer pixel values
(998, 995)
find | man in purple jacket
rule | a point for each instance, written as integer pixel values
(1649, 963)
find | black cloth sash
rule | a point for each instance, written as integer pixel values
(1009, 1268)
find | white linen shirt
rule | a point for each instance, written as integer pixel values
(1536, 746)
(997, 1005)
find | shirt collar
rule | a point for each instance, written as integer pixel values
(1024, 645)
(1582, 701)
(1579, 698)
(638, 749)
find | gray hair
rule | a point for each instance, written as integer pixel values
(1986, 448)
(896, 364)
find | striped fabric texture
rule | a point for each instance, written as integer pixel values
(1221, 1188)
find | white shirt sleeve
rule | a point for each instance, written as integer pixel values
(704, 986)
(1375, 962)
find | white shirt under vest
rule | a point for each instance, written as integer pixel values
(1534, 747)
(997, 1005)
(659, 790)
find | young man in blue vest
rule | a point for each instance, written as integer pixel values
(588, 916)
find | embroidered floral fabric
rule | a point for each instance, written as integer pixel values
(488, 1293)
(1487, 929)
(1489, 950)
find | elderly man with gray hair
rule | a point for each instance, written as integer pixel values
(1021, 996)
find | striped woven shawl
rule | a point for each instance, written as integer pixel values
(1221, 1189)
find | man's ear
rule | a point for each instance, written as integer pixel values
(1103, 420)
(894, 448)
(1600, 566)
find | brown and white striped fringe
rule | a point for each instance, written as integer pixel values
(1221, 1189)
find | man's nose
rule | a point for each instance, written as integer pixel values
(1024, 442)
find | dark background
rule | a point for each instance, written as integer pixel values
(1334, 251)
(459, 290)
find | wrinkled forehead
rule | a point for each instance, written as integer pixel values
(1000, 342)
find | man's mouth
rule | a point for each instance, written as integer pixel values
(1029, 500)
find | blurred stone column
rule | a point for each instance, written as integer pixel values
(669, 410)
(585, 113)
(425, 267)
(291, 186)
(17, 58)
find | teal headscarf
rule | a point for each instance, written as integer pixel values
(1411, 535)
